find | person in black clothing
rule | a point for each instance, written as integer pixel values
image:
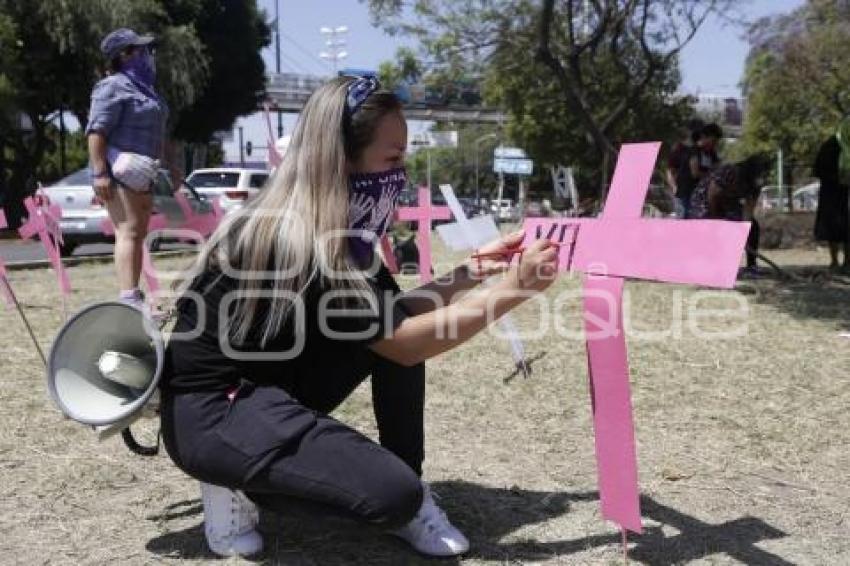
(679, 176)
(832, 167)
(701, 160)
(289, 309)
(731, 192)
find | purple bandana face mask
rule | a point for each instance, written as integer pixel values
(141, 69)
(372, 202)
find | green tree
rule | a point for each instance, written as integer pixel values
(571, 73)
(53, 63)
(796, 80)
(49, 50)
(233, 33)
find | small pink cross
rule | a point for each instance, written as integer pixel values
(274, 157)
(43, 221)
(423, 215)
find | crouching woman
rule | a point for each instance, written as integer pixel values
(289, 309)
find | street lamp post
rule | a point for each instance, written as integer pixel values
(335, 46)
(475, 144)
(277, 61)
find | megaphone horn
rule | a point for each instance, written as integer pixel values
(104, 366)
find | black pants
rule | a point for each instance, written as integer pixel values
(753, 242)
(276, 444)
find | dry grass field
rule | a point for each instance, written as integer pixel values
(743, 441)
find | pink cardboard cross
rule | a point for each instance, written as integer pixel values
(43, 221)
(423, 215)
(274, 157)
(620, 244)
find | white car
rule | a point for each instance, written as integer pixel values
(504, 210)
(232, 185)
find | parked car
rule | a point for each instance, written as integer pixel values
(470, 207)
(83, 214)
(504, 210)
(805, 197)
(232, 185)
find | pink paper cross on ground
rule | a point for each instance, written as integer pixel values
(423, 215)
(621, 244)
(43, 221)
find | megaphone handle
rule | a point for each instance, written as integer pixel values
(135, 447)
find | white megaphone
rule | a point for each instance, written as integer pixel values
(104, 366)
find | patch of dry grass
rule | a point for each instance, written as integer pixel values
(742, 444)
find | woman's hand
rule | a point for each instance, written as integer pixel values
(537, 267)
(103, 188)
(485, 267)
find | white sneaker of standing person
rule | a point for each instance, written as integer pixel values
(430, 531)
(230, 521)
(132, 297)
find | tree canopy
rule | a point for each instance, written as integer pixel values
(797, 78)
(50, 59)
(575, 77)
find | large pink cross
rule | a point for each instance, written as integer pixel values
(620, 244)
(423, 215)
(43, 221)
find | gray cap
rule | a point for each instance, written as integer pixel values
(122, 38)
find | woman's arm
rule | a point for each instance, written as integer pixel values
(101, 182)
(424, 336)
(445, 289)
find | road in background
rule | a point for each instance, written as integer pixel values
(15, 250)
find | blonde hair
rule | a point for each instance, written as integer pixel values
(285, 229)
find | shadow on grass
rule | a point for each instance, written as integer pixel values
(813, 293)
(487, 515)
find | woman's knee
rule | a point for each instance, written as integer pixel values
(398, 499)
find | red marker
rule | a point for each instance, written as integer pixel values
(509, 253)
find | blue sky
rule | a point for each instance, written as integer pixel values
(711, 64)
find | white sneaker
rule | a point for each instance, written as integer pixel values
(230, 521)
(430, 531)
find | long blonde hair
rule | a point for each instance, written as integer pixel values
(284, 230)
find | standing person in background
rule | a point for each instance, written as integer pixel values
(709, 141)
(678, 172)
(127, 120)
(701, 162)
(832, 167)
(128, 117)
(730, 192)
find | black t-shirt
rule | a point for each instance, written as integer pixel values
(685, 180)
(201, 357)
